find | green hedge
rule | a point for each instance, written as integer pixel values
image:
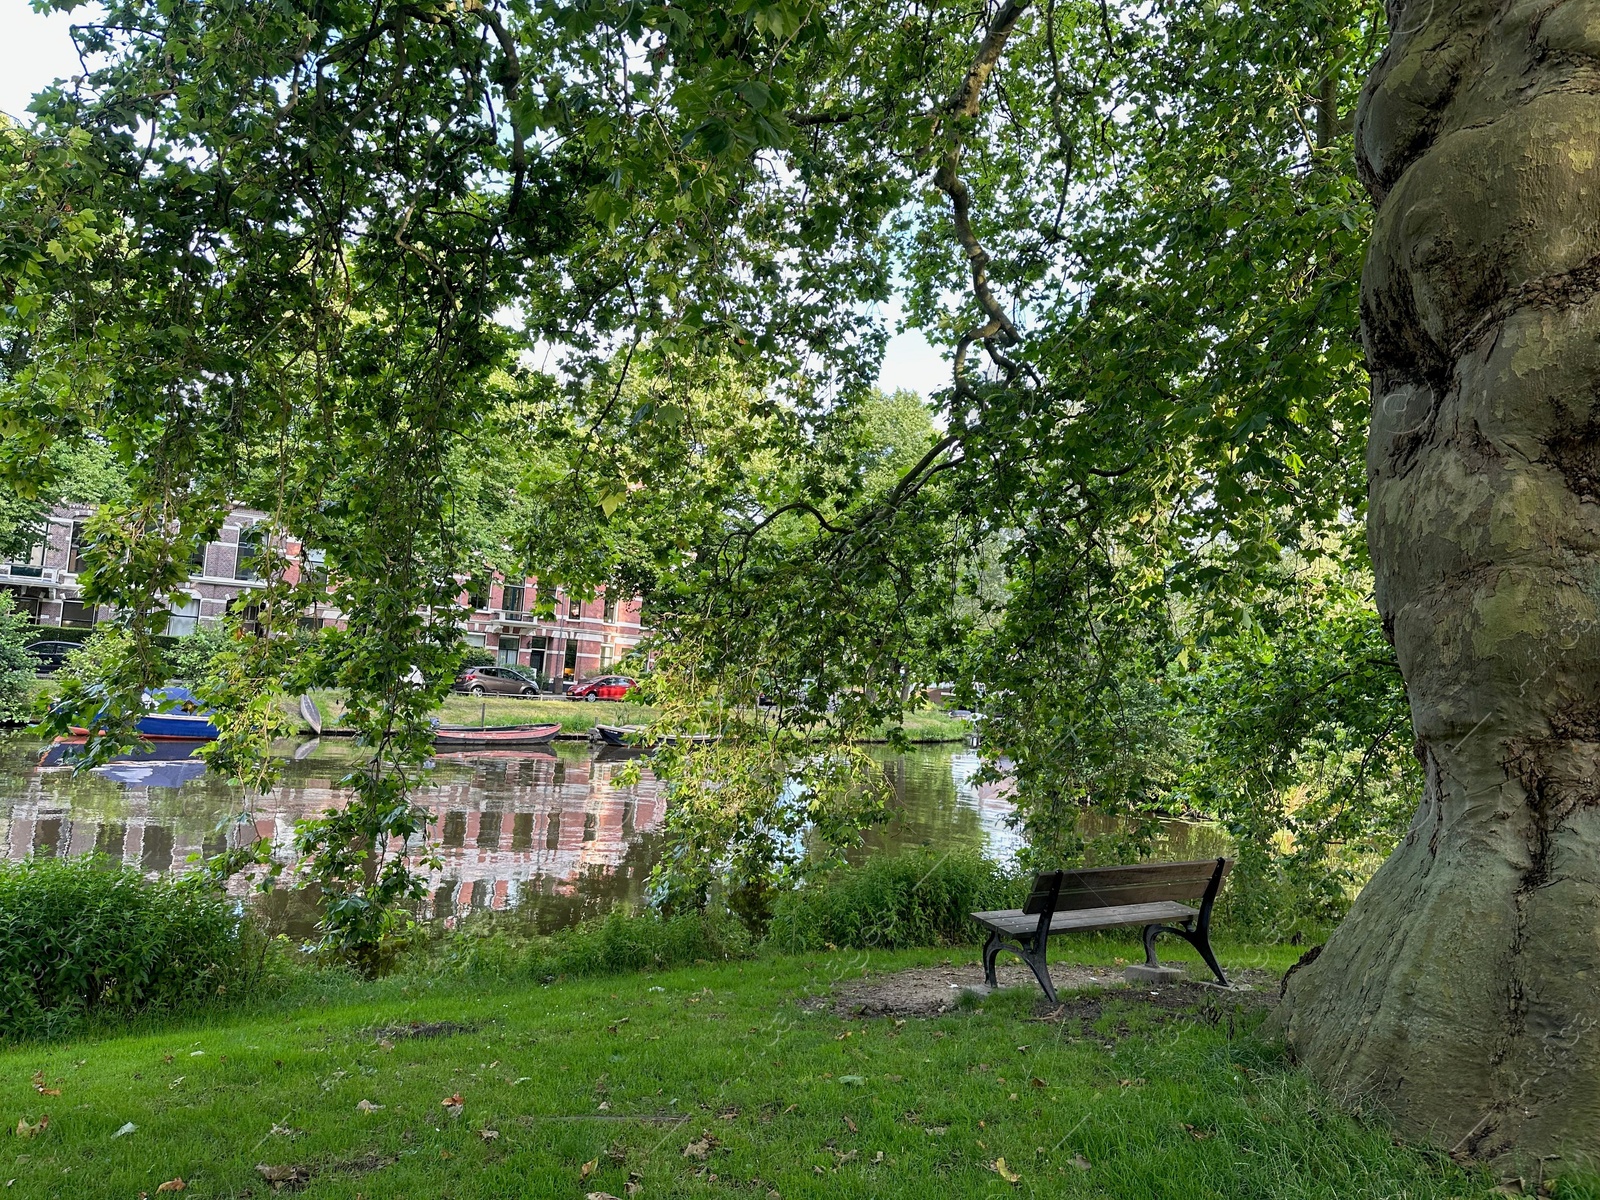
(82, 937)
(609, 945)
(920, 898)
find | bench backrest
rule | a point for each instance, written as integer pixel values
(1103, 887)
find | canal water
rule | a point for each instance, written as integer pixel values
(553, 834)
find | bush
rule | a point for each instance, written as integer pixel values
(920, 898)
(17, 666)
(610, 945)
(82, 937)
(476, 656)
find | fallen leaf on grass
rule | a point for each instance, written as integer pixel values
(587, 1169)
(635, 1184)
(1037, 1082)
(700, 1149)
(1198, 1135)
(488, 1135)
(172, 1185)
(600, 1196)
(1080, 1162)
(851, 1125)
(38, 1085)
(1006, 1172)
(1130, 1083)
(365, 1106)
(453, 1104)
(130, 1127)
(617, 1024)
(385, 1044)
(28, 1131)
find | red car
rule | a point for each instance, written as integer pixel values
(607, 687)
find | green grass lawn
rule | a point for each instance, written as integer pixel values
(581, 716)
(713, 1081)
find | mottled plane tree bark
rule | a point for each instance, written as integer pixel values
(1462, 994)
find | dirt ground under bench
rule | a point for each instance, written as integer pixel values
(929, 991)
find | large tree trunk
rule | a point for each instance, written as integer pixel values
(1462, 994)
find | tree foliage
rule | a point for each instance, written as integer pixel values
(593, 290)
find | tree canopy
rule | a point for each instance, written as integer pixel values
(596, 292)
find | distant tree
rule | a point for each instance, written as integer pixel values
(17, 666)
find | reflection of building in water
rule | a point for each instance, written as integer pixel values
(991, 802)
(506, 826)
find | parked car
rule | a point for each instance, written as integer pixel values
(606, 687)
(496, 681)
(52, 655)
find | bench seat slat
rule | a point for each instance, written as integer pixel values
(1015, 921)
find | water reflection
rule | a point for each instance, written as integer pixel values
(551, 833)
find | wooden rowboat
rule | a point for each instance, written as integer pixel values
(626, 737)
(494, 735)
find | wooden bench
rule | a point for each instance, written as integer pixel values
(1108, 898)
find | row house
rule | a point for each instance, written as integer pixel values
(580, 638)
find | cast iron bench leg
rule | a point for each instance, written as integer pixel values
(1029, 950)
(1035, 958)
(1195, 937)
(991, 950)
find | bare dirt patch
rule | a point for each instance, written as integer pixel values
(424, 1029)
(929, 991)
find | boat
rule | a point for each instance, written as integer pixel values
(186, 717)
(311, 714)
(62, 751)
(511, 754)
(627, 737)
(494, 735)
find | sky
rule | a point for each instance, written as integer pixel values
(35, 50)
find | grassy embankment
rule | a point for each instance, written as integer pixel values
(716, 1080)
(577, 717)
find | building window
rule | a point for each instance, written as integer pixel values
(197, 559)
(76, 614)
(574, 608)
(183, 615)
(477, 601)
(611, 611)
(511, 600)
(569, 661)
(473, 639)
(75, 545)
(605, 657)
(249, 616)
(316, 565)
(506, 653)
(33, 565)
(245, 566)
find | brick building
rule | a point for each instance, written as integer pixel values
(581, 637)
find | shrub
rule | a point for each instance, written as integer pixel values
(81, 937)
(17, 666)
(476, 656)
(610, 945)
(920, 898)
